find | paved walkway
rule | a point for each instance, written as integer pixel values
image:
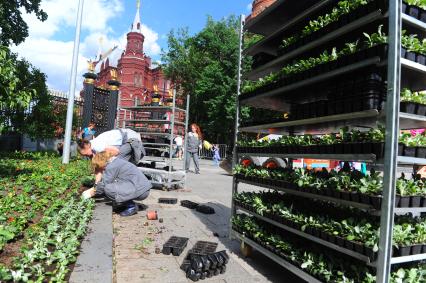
(136, 239)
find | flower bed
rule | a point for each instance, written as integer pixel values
(42, 218)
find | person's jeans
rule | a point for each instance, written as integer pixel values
(216, 160)
(194, 156)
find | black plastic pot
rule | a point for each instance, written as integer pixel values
(421, 59)
(410, 151)
(355, 197)
(349, 245)
(336, 194)
(339, 148)
(340, 241)
(367, 147)
(346, 195)
(422, 15)
(415, 201)
(421, 109)
(376, 201)
(413, 11)
(404, 202)
(365, 198)
(359, 247)
(397, 200)
(408, 107)
(331, 238)
(347, 148)
(423, 201)
(404, 251)
(400, 149)
(410, 56)
(421, 152)
(378, 149)
(404, 7)
(416, 249)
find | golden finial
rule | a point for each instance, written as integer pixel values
(91, 66)
(113, 73)
(156, 88)
(138, 4)
(170, 91)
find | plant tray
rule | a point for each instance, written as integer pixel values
(189, 204)
(203, 248)
(175, 245)
(167, 200)
(201, 267)
(205, 209)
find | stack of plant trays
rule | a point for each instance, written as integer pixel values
(355, 84)
(159, 167)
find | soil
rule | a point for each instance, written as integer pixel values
(10, 251)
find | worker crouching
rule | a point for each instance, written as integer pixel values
(120, 181)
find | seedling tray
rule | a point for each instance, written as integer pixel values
(205, 209)
(175, 245)
(201, 267)
(189, 204)
(167, 200)
(203, 248)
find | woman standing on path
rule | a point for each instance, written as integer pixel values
(192, 146)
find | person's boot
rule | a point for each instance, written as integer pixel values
(131, 209)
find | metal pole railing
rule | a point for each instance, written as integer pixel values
(70, 109)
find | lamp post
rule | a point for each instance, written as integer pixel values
(70, 108)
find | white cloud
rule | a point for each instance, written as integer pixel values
(54, 56)
(249, 6)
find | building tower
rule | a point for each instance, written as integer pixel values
(258, 6)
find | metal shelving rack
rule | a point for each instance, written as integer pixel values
(159, 177)
(271, 23)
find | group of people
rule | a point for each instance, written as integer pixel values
(114, 155)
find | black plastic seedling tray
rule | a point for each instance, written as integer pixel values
(205, 209)
(167, 200)
(189, 204)
(175, 245)
(203, 248)
(199, 267)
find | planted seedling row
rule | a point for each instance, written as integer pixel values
(349, 186)
(324, 266)
(346, 228)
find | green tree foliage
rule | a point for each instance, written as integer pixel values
(13, 28)
(205, 66)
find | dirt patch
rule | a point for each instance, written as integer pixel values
(10, 251)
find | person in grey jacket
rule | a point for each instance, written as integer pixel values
(120, 181)
(193, 144)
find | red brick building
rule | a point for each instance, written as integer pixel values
(258, 6)
(135, 72)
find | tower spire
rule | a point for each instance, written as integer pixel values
(136, 26)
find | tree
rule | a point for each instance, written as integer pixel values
(13, 27)
(205, 66)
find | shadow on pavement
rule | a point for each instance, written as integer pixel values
(218, 224)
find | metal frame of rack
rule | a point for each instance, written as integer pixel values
(160, 177)
(399, 71)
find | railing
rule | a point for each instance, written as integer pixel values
(208, 153)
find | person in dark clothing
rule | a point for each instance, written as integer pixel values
(193, 144)
(120, 181)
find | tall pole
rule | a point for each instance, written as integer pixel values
(391, 143)
(237, 118)
(70, 109)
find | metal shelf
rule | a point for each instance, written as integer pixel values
(268, 101)
(342, 157)
(363, 206)
(152, 108)
(307, 236)
(413, 75)
(278, 14)
(402, 259)
(415, 23)
(405, 210)
(287, 265)
(411, 160)
(329, 123)
(262, 45)
(153, 143)
(151, 134)
(277, 64)
(145, 121)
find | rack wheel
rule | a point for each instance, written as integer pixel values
(246, 250)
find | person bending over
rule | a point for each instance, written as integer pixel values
(124, 143)
(120, 181)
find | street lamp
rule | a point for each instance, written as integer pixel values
(70, 108)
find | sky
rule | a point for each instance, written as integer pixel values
(49, 46)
